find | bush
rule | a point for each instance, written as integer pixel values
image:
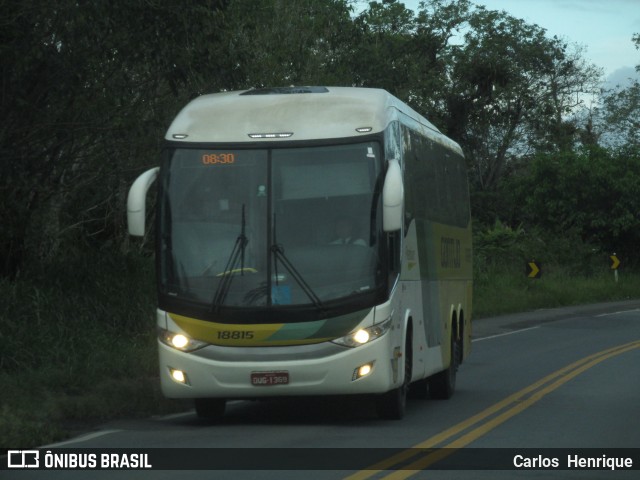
(78, 344)
(587, 198)
(75, 308)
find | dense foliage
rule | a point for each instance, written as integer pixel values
(89, 87)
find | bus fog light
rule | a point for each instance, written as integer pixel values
(179, 376)
(362, 371)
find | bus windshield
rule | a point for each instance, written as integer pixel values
(270, 227)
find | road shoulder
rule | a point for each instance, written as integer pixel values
(488, 326)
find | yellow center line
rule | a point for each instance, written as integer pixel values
(514, 403)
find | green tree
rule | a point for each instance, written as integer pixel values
(278, 42)
(494, 83)
(384, 54)
(511, 92)
(620, 111)
(88, 88)
(593, 192)
(569, 82)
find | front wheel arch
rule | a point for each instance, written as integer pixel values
(392, 405)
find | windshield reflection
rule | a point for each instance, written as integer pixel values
(270, 228)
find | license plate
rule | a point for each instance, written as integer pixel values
(269, 379)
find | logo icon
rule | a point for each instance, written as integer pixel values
(23, 459)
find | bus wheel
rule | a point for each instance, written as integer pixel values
(393, 404)
(420, 389)
(210, 408)
(443, 384)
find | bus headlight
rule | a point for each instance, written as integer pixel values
(179, 341)
(364, 335)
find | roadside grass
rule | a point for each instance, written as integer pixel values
(500, 291)
(78, 347)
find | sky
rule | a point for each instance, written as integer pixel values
(603, 27)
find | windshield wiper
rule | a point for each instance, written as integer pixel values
(229, 270)
(278, 254)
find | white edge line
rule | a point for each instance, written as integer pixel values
(505, 334)
(618, 313)
(83, 438)
(188, 413)
(171, 416)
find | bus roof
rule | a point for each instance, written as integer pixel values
(291, 113)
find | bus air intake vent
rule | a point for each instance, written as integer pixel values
(285, 90)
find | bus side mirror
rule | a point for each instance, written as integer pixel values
(392, 198)
(137, 200)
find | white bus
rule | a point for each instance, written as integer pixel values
(310, 241)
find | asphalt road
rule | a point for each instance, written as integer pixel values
(564, 379)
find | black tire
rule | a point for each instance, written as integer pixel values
(442, 385)
(419, 389)
(392, 405)
(210, 408)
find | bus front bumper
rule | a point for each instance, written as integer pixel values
(325, 369)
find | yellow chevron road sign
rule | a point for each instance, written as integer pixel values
(533, 269)
(615, 262)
